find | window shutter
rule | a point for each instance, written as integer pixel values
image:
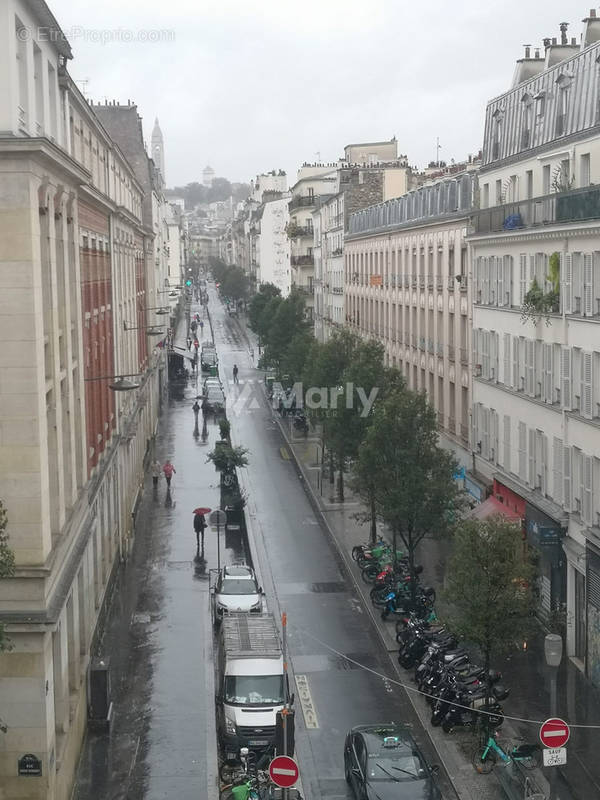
(532, 262)
(567, 477)
(539, 271)
(522, 450)
(500, 281)
(566, 270)
(547, 373)
(516, 379)
(586, 385)
(476, 353)
(508, 262)
(523, 278)
(485, 294)
(530, 367)
(588, 285)
(507, 376)
(557, 463)
(586, 490)
(494, 436)
(542, 461)
(565, 375)
(493, 281)
(507, 432)
(485, 355)
(493, 356)
(531, 457)
(485, 433)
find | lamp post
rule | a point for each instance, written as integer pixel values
(553, 647)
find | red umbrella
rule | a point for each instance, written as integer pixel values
(201, 510)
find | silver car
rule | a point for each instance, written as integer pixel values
(214, 399)
(236, 590)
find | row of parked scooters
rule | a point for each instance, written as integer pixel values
(458, 691)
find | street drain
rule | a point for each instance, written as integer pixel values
(329, 588)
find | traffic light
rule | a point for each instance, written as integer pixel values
(188, 282)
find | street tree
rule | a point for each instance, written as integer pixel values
(288, 319)
(234, 283)
(296, 354)
(489, 586)
(227, 458)
(259, 302)
(415, 491)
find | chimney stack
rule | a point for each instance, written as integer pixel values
(527, 50)
(537, 52)
(546, 43)
(554, 40)
(592, 12)
(574, 41)
(563, 32)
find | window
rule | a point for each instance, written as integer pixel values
(540, 105)
(529, 183)
(497, 135)
(526, 123)
(560, 127)
(584, 169)
(546, 179)
(486, 195)
(498, 192)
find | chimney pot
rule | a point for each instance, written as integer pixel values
(527, 50)
(563, 32)
(592, 12)
(546, 42)
(574, 41)
(554, 40)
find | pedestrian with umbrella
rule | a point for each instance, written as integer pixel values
(200, 525)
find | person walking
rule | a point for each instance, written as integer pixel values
(199, 526)
(235, 374)
(156, 469)
(168, 469)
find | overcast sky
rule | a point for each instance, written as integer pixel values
(251, 86)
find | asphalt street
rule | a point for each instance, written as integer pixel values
(159, 634)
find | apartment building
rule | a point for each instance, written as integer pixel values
(406, 284)
(328, 224)
(536, 387)
(75, 265)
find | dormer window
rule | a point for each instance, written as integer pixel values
(540, 104)
(526, 120)
(497, 123)
(563, 84)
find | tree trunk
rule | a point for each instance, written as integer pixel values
(373, 519)
(395, 546)
(488, 684)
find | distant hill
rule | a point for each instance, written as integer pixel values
(220, 189)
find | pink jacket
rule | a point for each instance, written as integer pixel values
(168, 469)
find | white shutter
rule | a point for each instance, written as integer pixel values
(557, 464)
(588, 285)
(507, 437)
(485, 293)
(493, 281)
(507, 377)
(485, 354)
(500, 281)
(536, 367)
(485, 433)
(508, 262)
(547, 384)
(586, 490)
(494, 436)
(478, 269)
(532, 263)
(516, 377)
(541, 457)
(523, 278)
(476, 348)
(566, 271)
(493, 356)
(565, 378)
(577, 283)
(530, 367)
(531, 457)
(587, 386)
(567, 477)
(522, 450)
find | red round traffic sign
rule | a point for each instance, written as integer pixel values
(283, 771)
(554, 732)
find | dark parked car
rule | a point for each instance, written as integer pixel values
(383, 762)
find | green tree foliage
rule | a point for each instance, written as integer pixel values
(287, 318)
(227, 458)
(196, 193)
(489, 586)
(296, 355)
(234, 283)
(415, 492)
(266, 292)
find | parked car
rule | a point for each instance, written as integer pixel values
(211, 382)
(236, 589)
(214, 399)
(208, 359)
(384, 761)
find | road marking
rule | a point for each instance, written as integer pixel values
(284, 453)
(306, 702)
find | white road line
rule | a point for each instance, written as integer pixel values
(306, 702)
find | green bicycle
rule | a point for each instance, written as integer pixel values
(484, 760)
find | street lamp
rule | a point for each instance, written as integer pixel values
(159, 310)
(553, 647)
(121, 384)
(151, 330)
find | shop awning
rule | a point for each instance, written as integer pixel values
(490, 507)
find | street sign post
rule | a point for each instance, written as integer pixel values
(555, 756)
(218, 518)
(554, 733)
(284, 771)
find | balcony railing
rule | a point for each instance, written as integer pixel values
(575, 205)
(301, 201)
(451, 352)
(302, 261)
(22, 114)
(422, 281)
(294, 231)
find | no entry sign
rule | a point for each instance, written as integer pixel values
(283, 771)
(554, 732)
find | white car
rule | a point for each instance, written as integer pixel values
(210, 383)
(214, 399)
(236, 590)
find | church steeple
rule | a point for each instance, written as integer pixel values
(158, 148)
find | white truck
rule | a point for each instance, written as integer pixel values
(252, 685)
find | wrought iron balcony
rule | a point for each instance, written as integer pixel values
(302, 261)
(576, 205)
(301, 201)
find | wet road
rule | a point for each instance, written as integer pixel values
(303, 577)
